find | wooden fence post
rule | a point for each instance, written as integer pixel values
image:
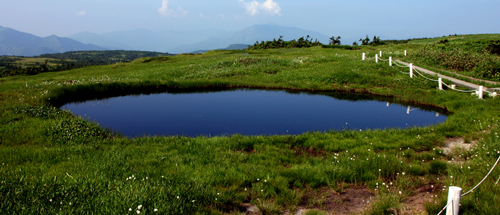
(390, 61)
(376, 58)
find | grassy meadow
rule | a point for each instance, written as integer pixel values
(53, 162)
(457, 38)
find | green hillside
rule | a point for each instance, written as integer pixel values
(11, 66)
(457, 38)
(54, 162)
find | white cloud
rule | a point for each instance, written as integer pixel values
(221, 16)
(80, 13)
(269, 7)
(164, 10)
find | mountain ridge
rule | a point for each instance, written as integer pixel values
(189, 41)
(13, 42)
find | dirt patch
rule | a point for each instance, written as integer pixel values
(251, 209)
(355, 200)
(303, 150)
(415, 204)
(457, 142)
(351, 200)
(248, 150)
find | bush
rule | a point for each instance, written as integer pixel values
(475, 57)
(494, 47)
(339, 47)
(488, 69)
(300, 43)
(75, 131)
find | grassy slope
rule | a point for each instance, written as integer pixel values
(468, 56)
(459, 38)
(29, 61)
(51, 159)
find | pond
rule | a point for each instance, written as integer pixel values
(249, 112)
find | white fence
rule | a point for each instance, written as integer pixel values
(414, 72)
(454, 193)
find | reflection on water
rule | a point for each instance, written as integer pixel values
(249, 112)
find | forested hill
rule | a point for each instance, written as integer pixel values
(91, 58)
(69, 60)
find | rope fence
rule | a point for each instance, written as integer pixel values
(400, 65)
(414, 69)
(470, 191)
(463, 91)
(479, 92)
(454, 193)
(406, 73)
(451, 202)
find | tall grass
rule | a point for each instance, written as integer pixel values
(474, 58)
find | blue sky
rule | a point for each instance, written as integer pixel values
(352, 18)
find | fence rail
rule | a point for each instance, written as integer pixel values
(454, 193)
(413, 71)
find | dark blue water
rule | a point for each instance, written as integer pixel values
(247, 112)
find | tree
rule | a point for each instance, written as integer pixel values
(365, 42)
(376, 41)
(335, 41)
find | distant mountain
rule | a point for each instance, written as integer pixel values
(146, 40)
(140, 39)
(252, 34)
(189, 41)
(269, 32)
(18, 43)
(230, 47)
(99, 40)
(208, 44)
(237, 46)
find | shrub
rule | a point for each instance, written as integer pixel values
(475, 57)
(75, 131)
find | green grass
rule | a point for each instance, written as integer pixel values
(50, 158)
(458, 38)
(30, 61)
(477, 59)
(33, 61)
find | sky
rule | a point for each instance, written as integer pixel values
(391, 19)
